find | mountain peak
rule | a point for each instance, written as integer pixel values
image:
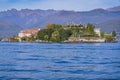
(99, 10)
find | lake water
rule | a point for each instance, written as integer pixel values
(54, 61)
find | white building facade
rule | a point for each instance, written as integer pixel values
(28, 33)
(97, 31)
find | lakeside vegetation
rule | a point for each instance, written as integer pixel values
(54, 33)
(67, 33)
(60, 33)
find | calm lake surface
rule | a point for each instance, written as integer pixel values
(54, 61)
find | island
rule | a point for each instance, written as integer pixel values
(65, 33)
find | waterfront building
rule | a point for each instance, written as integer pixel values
(97, 31)
(28, 33)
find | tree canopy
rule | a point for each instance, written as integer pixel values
(59, 33)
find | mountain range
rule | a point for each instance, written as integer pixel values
(12, 21)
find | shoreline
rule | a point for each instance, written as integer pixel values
(59, 42)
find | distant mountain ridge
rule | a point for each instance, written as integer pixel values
(114, 8)
(8, 29)
(27, 18)
(110, 25)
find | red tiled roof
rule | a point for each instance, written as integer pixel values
(32, 31)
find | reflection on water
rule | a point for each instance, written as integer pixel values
(53, 61)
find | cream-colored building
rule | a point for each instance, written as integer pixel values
(28, 32)
(97, 31)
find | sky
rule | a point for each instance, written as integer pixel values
(76, 5)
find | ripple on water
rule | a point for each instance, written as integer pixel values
(19, 52)
(15, 78)
(7, 65)
(27, 59)
(20, 70)
(73, 61)
(63, 62)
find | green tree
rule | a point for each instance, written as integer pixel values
(14, 39)
(102, 34)
(0, 39)
(64, 34)
(48, 26)
(74, 33)
(31, 38)
(53, 26)
(90, 30)
(24, 39)
(41, 34)
(90, 27)
(55, 36)
(46, 38)
(113, 33)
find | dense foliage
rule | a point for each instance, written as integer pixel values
(113, 33)
(71, 32)
(59, 33)
(54, 33)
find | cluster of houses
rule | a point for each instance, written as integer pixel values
(28, 33)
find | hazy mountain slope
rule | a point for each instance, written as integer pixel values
(110, 25)
(114, 8)
(8, 29)
(27, 18)
(64, 17)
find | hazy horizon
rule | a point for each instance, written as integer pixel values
(76, 5)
